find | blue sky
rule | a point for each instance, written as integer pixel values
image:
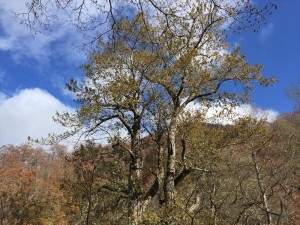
(277, 47)
(34, 69)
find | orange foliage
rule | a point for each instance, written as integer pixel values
(29, 186)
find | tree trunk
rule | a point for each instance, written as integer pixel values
(169, 186)
(136, 207)
(161, 172)
(262, 190)
(89, 205)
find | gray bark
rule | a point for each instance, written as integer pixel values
(169, 186)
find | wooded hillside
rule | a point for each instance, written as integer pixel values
(247, 173)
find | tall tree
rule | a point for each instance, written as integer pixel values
(115, 97)
(148, 69)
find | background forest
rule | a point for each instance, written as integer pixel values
(158, 136)
(248, 176)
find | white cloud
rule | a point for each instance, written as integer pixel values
(225, 114)
(256, 112)
(28, 113)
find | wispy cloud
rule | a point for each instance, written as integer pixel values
(2, 97)
(2, 75)
(266, 32)
(59, 82)
(17, 39)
